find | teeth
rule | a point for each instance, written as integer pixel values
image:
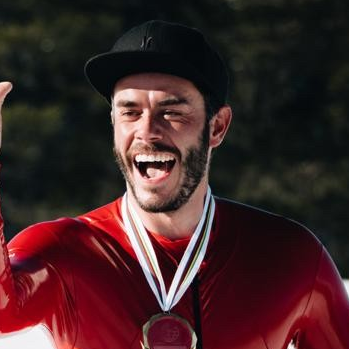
(152, 158)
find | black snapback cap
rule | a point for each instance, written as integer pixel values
(163, 47)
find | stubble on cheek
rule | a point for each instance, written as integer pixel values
(123, 164)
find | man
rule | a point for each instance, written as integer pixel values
(168, 265)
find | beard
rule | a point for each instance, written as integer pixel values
(193, 166)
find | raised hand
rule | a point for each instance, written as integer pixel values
(5, 88)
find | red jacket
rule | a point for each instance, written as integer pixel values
(264, 281)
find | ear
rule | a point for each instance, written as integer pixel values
(219, 125)
(112, 116)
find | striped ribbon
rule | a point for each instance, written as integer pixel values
(189, 264)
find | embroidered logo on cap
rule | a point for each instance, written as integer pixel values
(146, 42)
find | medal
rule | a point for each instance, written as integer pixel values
(167, 330)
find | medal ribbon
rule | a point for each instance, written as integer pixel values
(189, 264)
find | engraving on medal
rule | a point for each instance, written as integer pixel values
(168, 331)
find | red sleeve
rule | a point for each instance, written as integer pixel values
(33, 286)
(8, 297)
(327, 314)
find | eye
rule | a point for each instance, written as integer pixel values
(171, 114)
(130, 114)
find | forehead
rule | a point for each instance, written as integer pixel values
(160, 84)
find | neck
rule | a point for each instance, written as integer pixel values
(177, 224)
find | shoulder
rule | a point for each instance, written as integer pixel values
(266, 233)
(244, 212)
(44, 236)
(40, 250)
(252, 218)
(275, 252)
(55, 232)
(62, 240)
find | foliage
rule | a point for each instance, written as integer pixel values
(287, 150)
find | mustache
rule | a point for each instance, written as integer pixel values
(153, 148)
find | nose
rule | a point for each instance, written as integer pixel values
(148, 128)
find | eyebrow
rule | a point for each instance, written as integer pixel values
(126, 103)
(164, 103)
(173, 101)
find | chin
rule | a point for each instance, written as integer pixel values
(153, 202)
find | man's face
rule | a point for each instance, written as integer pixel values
(160, 139)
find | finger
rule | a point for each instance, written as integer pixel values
(5, 88)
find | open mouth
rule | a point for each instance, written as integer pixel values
(154, 166)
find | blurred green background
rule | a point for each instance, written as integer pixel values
(287, 150)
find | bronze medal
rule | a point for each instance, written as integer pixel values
(168, 331)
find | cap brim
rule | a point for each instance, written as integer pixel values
(104, 70)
